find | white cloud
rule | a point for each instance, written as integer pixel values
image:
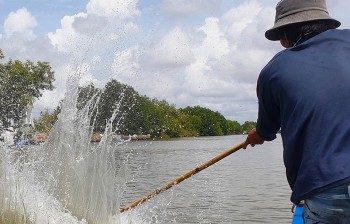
(86, 42)
(213, 64)
(90, 39)
(240, 18)
(125, 66)
(104, 23)
(20, 23)
(66, 37)
(215, 44)
(184, 8)
(229, 58)
(173, 50)
(113, 8)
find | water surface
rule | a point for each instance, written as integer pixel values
(249, 186)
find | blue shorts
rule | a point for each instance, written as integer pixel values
(329, 207)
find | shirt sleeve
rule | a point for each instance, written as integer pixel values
(268, 123)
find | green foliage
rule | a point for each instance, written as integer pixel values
(247, 126)
(118, 100)
(47, 120)
(86, 94)
(20, 84)
(207, 122)
(173, 123)
(234, 128)
(135, 114)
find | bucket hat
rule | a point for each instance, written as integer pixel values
(298, 11)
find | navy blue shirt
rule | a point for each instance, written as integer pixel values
(305, 92)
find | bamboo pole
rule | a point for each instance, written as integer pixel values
(183, 177)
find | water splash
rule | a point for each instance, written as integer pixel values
(68, 179)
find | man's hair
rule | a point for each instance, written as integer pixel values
(297, 33)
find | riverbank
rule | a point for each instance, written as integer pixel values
(96, 137)
(38, 138)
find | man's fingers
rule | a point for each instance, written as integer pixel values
(245, 144)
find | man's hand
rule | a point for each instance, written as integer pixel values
(253, 139)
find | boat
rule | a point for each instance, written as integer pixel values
(298, 214)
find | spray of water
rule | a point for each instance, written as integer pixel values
(68, 179)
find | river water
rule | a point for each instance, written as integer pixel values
(69, 180)
(249, 186)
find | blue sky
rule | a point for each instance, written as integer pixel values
(198, 52)
(48, 13)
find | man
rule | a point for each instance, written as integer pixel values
(304, 91)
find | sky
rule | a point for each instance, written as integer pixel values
(188, 52)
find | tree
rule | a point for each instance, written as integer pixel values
(118, 102)
(47, 120)
(233, 128)
(247, 126)
(208, 122)
(173, 123)
(85, 94)
(136, 114)
(20, 84)
(148, 116)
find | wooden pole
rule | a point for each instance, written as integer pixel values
(183, 177)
